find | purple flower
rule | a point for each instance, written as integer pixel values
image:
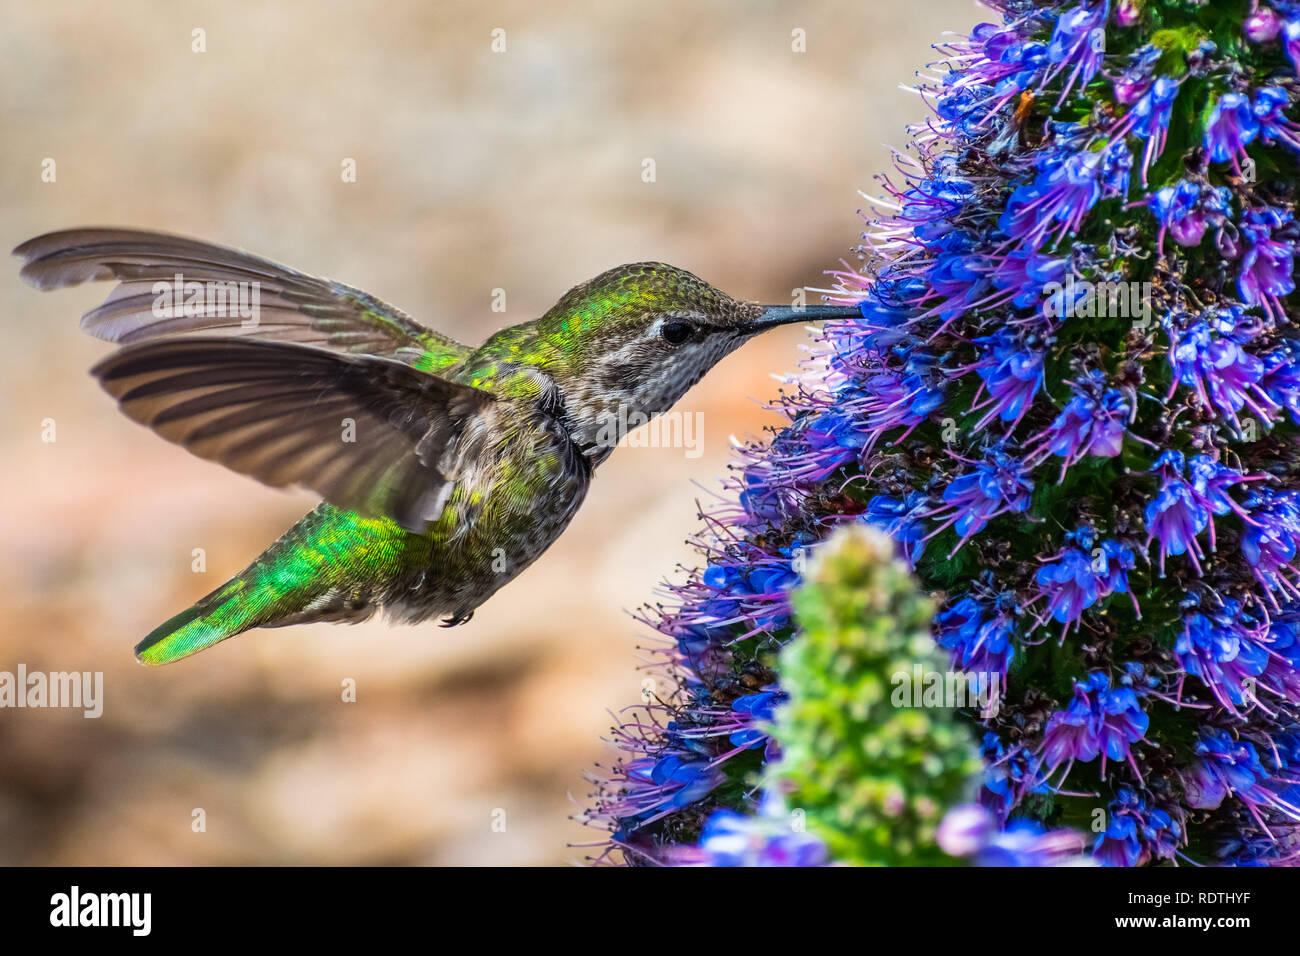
(1271, 103)
(1267, 269)
(1149, 119)
(964, 830)
(1291, 41)
(1024, 275)
(1230, 125)
(1229, 767)
(1186, 209)
(1093, 422)
(1075, 580)
(997, 485)
(1002, 201)
(1270, 541)
(978, 633)
(970, 830)
(1210, 483)
(957, 275)
(1224, 652)
(1069, 183)
(1262, 25)
(1012, 372)
(1099, 720)
(1070, 584)
(1029, 843)
(1078, 44)
(1135, 833)
(1009, 775)
(1281, 380)
(903, 520)
(1209, 358)
(1174, 518)
(729, 839)
(1136, 79)
(754, 709)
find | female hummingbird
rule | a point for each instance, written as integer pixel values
(445, 469)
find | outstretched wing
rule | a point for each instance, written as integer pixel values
(150, 301)
(368, 434)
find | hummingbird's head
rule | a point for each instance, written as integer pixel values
(632, 341)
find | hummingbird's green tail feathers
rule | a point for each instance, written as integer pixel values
(222, 614)
(321, 569)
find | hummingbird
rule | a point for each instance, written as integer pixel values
(444, 469)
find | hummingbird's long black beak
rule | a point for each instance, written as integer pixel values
(774, 315)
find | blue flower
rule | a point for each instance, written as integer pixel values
(1098, 721)
(1186, 209)
(1075, 580)
(1210, 357)
(1150, 119)
(1136, 832)
(1093, 422)
(902, 519)
(1224, 652)
(1267, 270)
(1271, 103)
(1012, 372)
(1230, 126)
(730, 839)
(1069, 183)
(997, 485)
(979, 633)
(1232, 768)
(1078, 44)
(1271, 539)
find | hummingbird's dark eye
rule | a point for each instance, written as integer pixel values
(675, 333)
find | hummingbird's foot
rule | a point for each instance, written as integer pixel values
(457, 618)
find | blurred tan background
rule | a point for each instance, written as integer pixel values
(475, 170)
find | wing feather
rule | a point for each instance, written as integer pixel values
(368, 434)
(291, 306)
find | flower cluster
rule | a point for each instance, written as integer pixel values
(1072, 400)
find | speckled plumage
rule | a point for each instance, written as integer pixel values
(465, 464)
